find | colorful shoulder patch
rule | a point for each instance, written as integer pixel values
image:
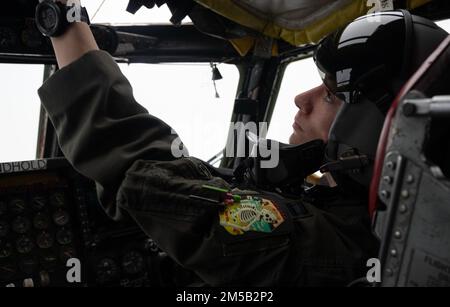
(251, 214)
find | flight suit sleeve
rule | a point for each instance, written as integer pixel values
(101, 129)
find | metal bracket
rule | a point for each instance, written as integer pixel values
(263, 47)
(438, 106)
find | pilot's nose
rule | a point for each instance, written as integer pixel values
(304, 102)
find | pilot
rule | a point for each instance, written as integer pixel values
(226, 233)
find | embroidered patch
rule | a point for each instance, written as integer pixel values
(251, 214)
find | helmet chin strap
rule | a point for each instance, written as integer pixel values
(352, 162)
(352, 165)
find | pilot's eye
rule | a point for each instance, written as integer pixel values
(329, 98)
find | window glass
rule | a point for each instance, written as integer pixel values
(19, 110)
(183, 95)
(444, 24)
(299, 77)
(114, 12)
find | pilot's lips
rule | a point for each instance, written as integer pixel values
(296, 125)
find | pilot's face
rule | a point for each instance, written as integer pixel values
(317, 110)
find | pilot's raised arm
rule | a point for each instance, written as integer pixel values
(107, 136)
(101, 129)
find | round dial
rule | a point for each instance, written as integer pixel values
(24, 245)
(57, 199)
(133, 263)
(38, 202)
(21, 225)
(151, 246)
(17, 206)
(41, 221)
(45, 240)
(64, 236)
(5, 249)
(61, 218)
(4, 228)
(107, 270)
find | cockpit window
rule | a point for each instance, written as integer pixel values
(19, 110)
(444, 24)
(299, 77)
(184, 96)
(114, 12)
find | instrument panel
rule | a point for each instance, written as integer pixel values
(49, 214)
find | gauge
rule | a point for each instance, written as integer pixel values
(151, 246)
(3, 207)
(8, 38)
(133, 263)
(7, 271)
(4, 228)
(5, 249)
(67, 252)
(41, 221)
(107, 270)
(64, 236)
(44, 240)
(38, 202)
(24, 245)
(21, 225)
(17, 206)
(57, 199)
(61, 218)
(28, 265)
